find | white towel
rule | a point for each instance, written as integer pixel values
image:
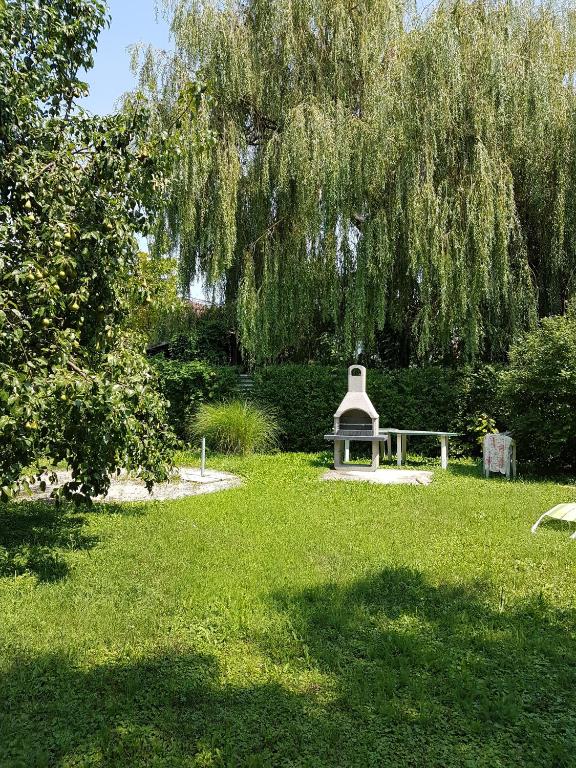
(498, 453)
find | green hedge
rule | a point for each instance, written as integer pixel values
(535, 397)
(306, 396)
(188, 384)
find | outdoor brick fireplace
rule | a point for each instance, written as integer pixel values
(356, 420)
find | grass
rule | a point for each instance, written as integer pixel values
(292, 623)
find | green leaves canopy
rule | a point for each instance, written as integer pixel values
(73, 190)
(374, 171)
(538, 393)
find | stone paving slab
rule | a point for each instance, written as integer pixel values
(382, 476)
(187, 482)
(192, 474)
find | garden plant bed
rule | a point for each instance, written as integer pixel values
(292, 623)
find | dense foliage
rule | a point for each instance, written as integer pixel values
(187, 384)
(539, 393)
(398, 181)
(304, 398)
(192, 329)
(157, 315)
(534, 397)
(237, 426)
(206, 333)
(73, 191)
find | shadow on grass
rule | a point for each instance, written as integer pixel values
(363, 453)
(171, 709)
(35, 535)
(526, 474)
(387, 671)
(324, 460)
(466, 470)
(413, 461)
(440, 675)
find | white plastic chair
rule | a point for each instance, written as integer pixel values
(565, 512)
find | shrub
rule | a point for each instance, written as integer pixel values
(186, 385)
(538, 392)
(481, 425)
(305, 398)
(236, 427)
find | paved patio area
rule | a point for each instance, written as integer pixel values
(382, 476)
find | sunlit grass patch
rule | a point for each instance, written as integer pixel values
(293, 622)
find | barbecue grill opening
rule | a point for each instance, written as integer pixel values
(355, 422)
(356, 414)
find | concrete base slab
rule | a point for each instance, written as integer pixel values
(192, 475)
(382, 476)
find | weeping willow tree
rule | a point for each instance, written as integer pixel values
(372, 171)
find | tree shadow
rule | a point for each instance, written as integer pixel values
(35, 535)
(121, 508)
(170, 709)
(414, 460)
(527, 473)
(387, 671)
(441, 675)
(324, 460)
(467, 470)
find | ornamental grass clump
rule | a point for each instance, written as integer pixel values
(236, 427)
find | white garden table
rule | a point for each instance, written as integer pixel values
(402, 442)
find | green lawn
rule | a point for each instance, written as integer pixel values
(292, 623)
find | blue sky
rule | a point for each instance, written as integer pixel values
(133, 21)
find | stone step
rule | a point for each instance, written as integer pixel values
(245, 383)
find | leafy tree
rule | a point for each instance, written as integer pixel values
(161, 312)
(538, 393)
(74, 189)
(398, 180)
(193, 330)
